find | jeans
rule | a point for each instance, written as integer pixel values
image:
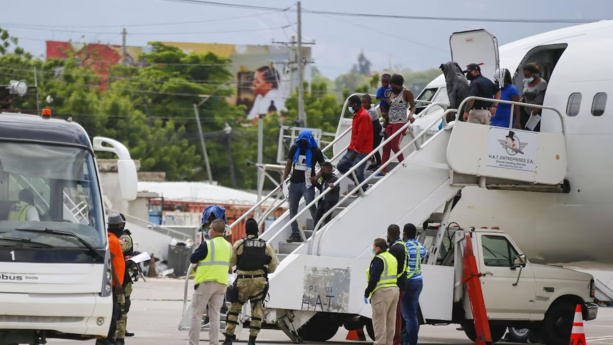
(410, 302)
(347, 163)
(297, 191)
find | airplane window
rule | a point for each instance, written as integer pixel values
(599, 103)
(574, 103)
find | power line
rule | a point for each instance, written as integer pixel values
(144, 33)
(243, 6)
(361, 26)
(209, 82)
(392, 16)
(137, 25)
(27, 72)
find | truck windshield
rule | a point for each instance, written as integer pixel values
(49, 187)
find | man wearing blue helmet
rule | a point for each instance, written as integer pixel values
(301, 161)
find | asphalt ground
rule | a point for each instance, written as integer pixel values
(157, 307)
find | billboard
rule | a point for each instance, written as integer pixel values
(264, 76)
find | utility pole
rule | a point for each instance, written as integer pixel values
(206, 156)
(36, 85)
(301, 114)
(300, 62)
(124, 60)
(228, 131)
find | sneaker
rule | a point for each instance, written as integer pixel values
(294, 238)
(379, 175)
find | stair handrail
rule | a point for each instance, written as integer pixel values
(490, 100)
(359, 186)
(273, 207)
(155, 227)
(349, 172)
(274, 191)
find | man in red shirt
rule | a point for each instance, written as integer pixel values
(116, 225)
(361, 140)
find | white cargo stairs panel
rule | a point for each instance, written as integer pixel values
(328, 268)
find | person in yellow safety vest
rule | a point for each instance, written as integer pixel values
(383, 292)
(399, 250)
(24, 209)
(213, 259)
(410, 300)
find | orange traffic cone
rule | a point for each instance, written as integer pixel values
(356, 335)
(577, 336)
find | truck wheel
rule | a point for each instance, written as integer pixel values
(518, 335)
(497, 332)
(558, 323)
(321, 327)
(367, 323)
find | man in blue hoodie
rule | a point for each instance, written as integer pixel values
(301, 161)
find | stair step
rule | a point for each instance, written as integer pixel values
(280, 257)
(348, 202)
(337, 211)
(288, 248)
(310, 224)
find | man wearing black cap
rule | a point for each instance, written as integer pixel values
(254, 259)
(479, 111)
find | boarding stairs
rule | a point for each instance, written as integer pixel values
(327, 270)
(76, 212)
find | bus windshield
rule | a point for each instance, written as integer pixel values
(53, 188)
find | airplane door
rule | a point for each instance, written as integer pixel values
(477, 46)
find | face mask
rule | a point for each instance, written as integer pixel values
(372, 249)
(396, 91)
(326, 176)
(528, 80)
(351, 110)
(469, 76)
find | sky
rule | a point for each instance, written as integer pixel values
(397, 43)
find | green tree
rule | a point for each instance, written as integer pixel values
(166, 91)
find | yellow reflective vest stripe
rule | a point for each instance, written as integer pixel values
(406, 257)
(417, 261)
(216, 264)
(19, 211)
(389, 276)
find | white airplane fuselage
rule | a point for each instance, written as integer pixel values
(561, 227)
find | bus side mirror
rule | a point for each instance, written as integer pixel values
(126, 169)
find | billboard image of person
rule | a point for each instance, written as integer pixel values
(267, 92)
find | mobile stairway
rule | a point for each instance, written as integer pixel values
(319, 283)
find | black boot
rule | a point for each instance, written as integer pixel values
(120, 341)
(129, 334)
(251, 340)
(228, 340)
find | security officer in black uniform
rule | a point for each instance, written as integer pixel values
(254, 259)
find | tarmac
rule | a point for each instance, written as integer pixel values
(157, 307)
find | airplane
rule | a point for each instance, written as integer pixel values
(570, 228)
